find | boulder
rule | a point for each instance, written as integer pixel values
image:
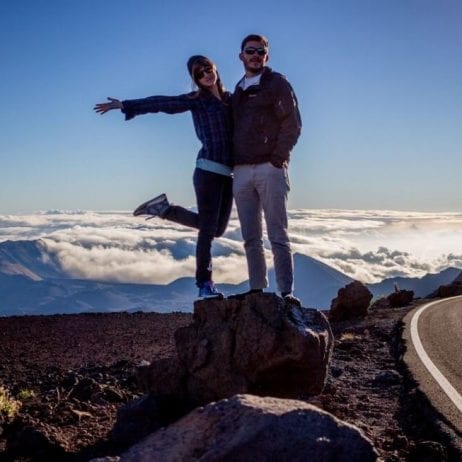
(400, 298)
(164, 378)
(381, 304)
(249, 428)
(352, 302)
(450, 290)
(137, 419)
(261, 345)
(165, 403)
(428, 451)
(25, 442)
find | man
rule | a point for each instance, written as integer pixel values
(266, 127)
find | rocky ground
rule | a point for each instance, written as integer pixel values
(68, 374)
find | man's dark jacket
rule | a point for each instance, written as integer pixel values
(267, 122)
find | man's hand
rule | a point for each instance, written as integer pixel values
(102, 108)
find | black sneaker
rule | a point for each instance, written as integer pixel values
(155, 207)
(289, 298)
(243, 295)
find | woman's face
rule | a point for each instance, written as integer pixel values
(206, 76)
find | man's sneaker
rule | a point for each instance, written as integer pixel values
(243, 295)
(289, 298)
(155, 207)
(208, 290)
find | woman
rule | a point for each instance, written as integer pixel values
(210, 109)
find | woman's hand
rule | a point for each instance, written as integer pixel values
(102, 108)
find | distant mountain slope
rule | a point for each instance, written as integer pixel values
(20, 295)
(30, 259)
(32, 282)
(421, 286)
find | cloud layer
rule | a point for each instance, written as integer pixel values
(366, 245)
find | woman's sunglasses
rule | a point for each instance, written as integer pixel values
(252, 50)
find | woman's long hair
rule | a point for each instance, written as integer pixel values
(205, 62)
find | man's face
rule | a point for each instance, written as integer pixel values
(254, 56)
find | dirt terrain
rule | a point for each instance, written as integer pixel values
(72, 372)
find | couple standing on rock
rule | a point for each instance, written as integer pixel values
(246, 140)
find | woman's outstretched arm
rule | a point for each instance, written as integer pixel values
(102, 108)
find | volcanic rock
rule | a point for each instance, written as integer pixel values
(352, 302)
(249, 428)
(450, 290)
(400, 298)
(381, 304)
(137, 419)
(261, 345)
(428, 451)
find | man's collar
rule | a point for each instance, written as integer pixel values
(266, 70)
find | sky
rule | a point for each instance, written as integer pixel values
(378, 82)
(366, 245)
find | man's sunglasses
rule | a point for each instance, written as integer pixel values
(205, 70)
(261, 51)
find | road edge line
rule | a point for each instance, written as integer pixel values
(440, 379)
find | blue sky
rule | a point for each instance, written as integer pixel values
(379, 84)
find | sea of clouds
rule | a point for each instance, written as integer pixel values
(365, 245)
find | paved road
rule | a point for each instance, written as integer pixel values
(433, 334)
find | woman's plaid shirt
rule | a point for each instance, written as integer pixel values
(211, 117)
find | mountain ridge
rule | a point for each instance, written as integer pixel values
(32, 282)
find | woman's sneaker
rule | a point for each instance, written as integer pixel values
(208, 290)
(156, 207)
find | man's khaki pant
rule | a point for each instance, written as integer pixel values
(264, 188)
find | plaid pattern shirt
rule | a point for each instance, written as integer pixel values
(211, 118)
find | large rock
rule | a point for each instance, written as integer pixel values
(261, 345)
(249, 428)
(400, 298)
(352, 302)
(381, 304)
(450, 290)
(137, 419)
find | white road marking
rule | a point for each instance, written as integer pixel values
(450, 391)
